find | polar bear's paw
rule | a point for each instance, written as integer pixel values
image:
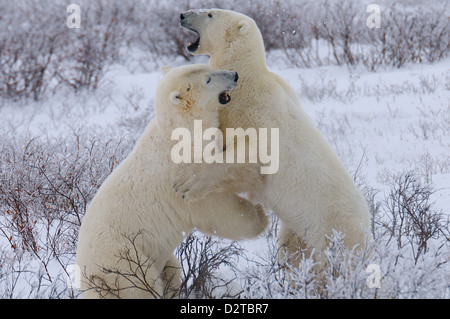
(193, 182)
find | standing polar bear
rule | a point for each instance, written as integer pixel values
(136, 220)
(312, 192)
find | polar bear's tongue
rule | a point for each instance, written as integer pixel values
(224, 98)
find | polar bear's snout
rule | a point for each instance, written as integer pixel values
(189, 21)
(227, 79)
(232, 78)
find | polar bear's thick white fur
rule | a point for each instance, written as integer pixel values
(312, 192)
(136, 220)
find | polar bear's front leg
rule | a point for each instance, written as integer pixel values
(229, 216)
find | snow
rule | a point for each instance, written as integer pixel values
(380, 124)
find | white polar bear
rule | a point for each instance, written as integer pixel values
(312, 192)
(136, 220)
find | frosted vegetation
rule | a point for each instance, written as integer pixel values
(74, 101)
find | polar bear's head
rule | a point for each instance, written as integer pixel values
(219, 30)
(192, 92)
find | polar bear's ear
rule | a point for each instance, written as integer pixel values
(165, 69)
(175, 97)
(243, 27)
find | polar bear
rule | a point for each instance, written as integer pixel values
(135, 221)
(312, 192)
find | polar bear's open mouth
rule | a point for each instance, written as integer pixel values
(224, 97)
(192, 47)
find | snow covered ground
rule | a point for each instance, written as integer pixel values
(381, 124)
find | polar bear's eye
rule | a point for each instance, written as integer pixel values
(208, 79)
(209, 15)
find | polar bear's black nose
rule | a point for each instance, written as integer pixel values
(181, 17)
(236, 77)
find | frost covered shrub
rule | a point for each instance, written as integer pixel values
(410, 218)
(45, 188)
(88, 52)
(380, 271)
(406, 255)
(39, 53)
(28, 42)
(201, 258)
(408, 36)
